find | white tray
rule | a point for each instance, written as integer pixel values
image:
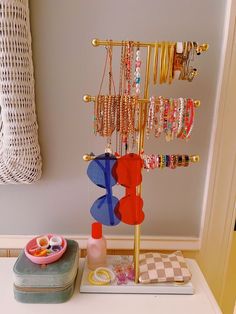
(131, 287)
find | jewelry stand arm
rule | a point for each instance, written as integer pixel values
(96, 42)
(192, 158)
(89, 98)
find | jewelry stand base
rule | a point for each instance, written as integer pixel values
(132, 287)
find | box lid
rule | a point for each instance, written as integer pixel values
(57, 274)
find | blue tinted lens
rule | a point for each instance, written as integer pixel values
(103, 208)
(100, 170)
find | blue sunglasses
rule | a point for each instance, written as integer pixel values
(100, 173)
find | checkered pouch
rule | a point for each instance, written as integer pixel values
(157, 267)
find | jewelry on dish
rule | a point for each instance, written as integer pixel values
(100, 272)
(95, 282)
(55, 241)
(42, 242)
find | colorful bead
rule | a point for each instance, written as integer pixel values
(167, 160)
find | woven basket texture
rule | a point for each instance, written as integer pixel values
(20, 159)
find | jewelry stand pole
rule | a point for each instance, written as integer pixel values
(142, 119)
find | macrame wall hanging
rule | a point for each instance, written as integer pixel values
(20, 160)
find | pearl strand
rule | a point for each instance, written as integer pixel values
(137, 75)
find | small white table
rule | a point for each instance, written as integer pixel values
(202, 302)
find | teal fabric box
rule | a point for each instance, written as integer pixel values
(52, 283)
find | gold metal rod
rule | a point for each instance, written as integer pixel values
(192, 158)
(142, 119)
(88, 98)
(96, 42)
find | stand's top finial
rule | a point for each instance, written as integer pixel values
(95, 42)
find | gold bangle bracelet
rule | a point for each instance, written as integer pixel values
(107, 272)
(161, 163)
(95, 282)
(155, 64)
(162, 62)
(166, 62)
(171, 62)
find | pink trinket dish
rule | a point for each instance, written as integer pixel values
(32, 248)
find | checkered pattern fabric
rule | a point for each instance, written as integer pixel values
(157, 267)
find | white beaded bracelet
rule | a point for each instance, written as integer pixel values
(181, 112)
(97, 274)
(179, 47)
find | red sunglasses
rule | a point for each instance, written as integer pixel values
(127, 171)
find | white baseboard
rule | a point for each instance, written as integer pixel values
(114, 242)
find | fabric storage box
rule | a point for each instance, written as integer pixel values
(52, 283)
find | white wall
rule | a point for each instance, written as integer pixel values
(67, 67)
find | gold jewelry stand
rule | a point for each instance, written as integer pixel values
(142, 117)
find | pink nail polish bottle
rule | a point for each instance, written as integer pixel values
(96, 247)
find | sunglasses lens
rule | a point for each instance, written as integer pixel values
(103, 209)
(129, 210)
(100, 169)
(128, 170)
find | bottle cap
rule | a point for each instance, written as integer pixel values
(97, 230)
